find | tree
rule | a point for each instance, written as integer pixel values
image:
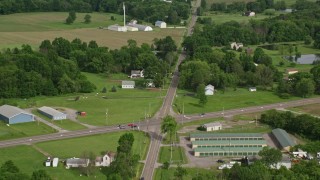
(305, 87)
(270, 156)
(316, 42)
(69, 20)
(180, 172)
(113, 89)
(104, 90)
(169, 125)
(9, 166)
(87, 19)
(201, 95)
(307, 40)
(40, 175)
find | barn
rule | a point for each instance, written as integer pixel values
(13, 115)
(161, 24)
(52, 113)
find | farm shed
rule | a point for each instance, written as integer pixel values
(225, 136)
(209, 90)
(283, 139)
(118, 28)
(77, 162)
(161, 24)
(52, 113)
(140, 27)
(13, 115)
(128, 84)
(213, 126)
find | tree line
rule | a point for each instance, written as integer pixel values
(149, 10)
(304, 125)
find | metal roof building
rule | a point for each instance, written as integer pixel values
(225, 136)
(52, 113)
(229, 143)
(127, 84)
(226, 151)
(283, 139)
(13, 115)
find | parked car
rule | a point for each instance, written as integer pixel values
(220, 161)
(121, 127)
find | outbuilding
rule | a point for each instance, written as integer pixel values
(12, 115)
(52, 113)
(209, 90)
(252, 89)
(128, 84)
(283, 139)
(129, 28)
(118, 28)
(161, 24)
(212, 126)
(55, 162)
(140, 26)
(77, 162)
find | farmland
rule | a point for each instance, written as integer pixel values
(33, 28)
(29, 159)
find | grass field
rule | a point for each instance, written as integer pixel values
(220, 17)
(178, 155)
(23, 130)
(248, 128)
(289, 3)
(125, 105)
(228, 100)
(64, 124)
(313, 109)
(33, 28)
(28, 159)
(168, 174)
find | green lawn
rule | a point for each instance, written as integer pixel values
(48, 21)
(28, 159)
(168, 174)
(64, 124)
(228, 100)
(23, 130)
(248, 128)
(178, 155)
(313, 109)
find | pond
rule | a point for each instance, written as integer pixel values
(306, 58)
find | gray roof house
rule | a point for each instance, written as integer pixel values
(283, 138)
(13, 115)
(127, 84)
(52, 113)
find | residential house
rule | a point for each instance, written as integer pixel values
(105, 160)
(136, 74)
(236, 46)
(209, 90)
(128, 84)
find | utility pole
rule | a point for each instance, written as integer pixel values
(107, 116)
(256, 120)
(182, 112)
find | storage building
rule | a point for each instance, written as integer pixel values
(283, 139)
(118, 28)
(212, 126)
(127, 84)
(161, 24)
(227, 151)
(229, 143)
(225, 136)
(12, 115)
(140, 27)
(52, 113)
(209, 90)
(77, 162)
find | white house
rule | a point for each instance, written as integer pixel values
(77, 162)
(105, 160)
(161, 24)
(252, 89)
(235, 45)
(136, 74)
(128, 84)
(118, 28)
(209, 90)
(212, 126)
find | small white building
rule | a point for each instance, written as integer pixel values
(105, 160)
(212, 126)
(161, 24)
(252, 89)
(250, 13)
(47, 163)
(292, 71)
(55, 162)
(236, 46)
(209, 90)
(128, 84)
(136, 74)
(118, 28)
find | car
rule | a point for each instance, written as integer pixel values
(220, 161)
(121, 127)
(202, 114)
(132, 125)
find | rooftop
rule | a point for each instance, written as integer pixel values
(11, 111)
(203, 135)
(212, 124)
(283, 137)
(128, 83)
(51, 111)
(230, 142)
(228, 149)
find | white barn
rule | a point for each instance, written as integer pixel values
(127, 84)
(118, 28)
(161, 24)
(209, 90)
(212, 126)
(52, 113)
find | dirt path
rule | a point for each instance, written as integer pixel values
(41, 151)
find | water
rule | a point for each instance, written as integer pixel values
(306, 58)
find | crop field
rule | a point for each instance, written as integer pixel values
(229, 100)
(29, 159)
(23, 130)
(33, 28)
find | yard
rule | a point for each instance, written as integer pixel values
(29, 159)
(168, 174)
(33, 28)
(178, 155)
(23, 130)
(229, 100)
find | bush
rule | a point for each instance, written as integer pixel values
(284, 95)
(201, 128)
(166, 165)
(113, 89)
(104, 90)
